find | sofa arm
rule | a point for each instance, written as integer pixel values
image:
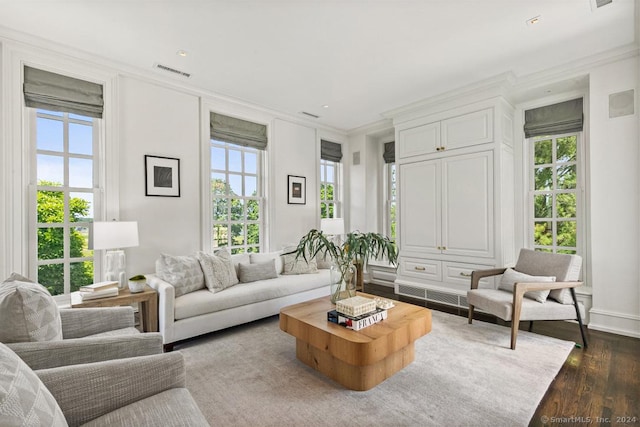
(166, 306)
(85, 392)
(82, 322)
(52, 354)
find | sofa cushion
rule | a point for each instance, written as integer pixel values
(259, 271)
(203, 301)
(28, 312)
(182, 272)
(511, 277)
(219, 272)
(24, 400)
(293, 265)
(259, 257)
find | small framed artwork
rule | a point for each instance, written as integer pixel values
(162, 176)
(296, 190)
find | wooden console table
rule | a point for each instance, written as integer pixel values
(147, 300)
(359, 360)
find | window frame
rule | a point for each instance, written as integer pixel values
(390, 192)
(337, 200)
(260, 189)
(579, 191)
(33, 262)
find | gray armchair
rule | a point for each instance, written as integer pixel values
(513, 305)
(141, 391)
(90, 335)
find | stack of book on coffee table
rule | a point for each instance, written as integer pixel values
(99, 290)
(358, 312)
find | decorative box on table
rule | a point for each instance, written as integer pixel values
(355, 306)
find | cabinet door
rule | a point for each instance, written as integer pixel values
(467, 204)
(420, 214)
(468, 129)
(419, 140)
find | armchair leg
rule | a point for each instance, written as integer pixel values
(578, 316)
(515, 324)
(470, 313)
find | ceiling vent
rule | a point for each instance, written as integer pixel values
(596, 4)
(310, 115)
(172, 70)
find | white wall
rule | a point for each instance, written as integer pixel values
(614, 204)
(295, 151)
(158, 121)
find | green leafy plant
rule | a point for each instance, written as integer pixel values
(137, 277)
(357, 248)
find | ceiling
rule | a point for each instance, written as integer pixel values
(358, 57)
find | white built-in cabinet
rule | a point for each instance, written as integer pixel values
(455, 199)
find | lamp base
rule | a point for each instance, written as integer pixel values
(115, 267)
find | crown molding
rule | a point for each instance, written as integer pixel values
(28, 42)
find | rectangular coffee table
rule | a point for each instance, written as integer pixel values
(359, 360)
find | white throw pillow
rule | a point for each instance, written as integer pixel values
(257, 258)
(182, 272)
(291, 265)
(219, 272)
(28, 312)
(511, 277)
(257, 271)
(24, 400)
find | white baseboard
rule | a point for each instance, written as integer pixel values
(615, 323)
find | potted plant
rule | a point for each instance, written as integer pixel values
(136, 283)
(356, 250)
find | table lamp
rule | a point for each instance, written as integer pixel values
(114, 236)
(332, 226)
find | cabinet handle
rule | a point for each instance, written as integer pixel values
(441, 148)
(438, 148)
(419, 268)
(465, 274)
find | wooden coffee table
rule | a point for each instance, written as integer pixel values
(359, 360)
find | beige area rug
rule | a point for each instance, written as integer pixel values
(463, 375)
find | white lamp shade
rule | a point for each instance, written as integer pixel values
(115, 234)
(332, 226)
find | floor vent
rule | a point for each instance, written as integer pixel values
(464, 302)
(442, 297)
(411, 291)
(172, 70)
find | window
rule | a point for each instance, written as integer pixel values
(64, 198)
(329, 189)
(236, 195)
(390, 190)
(555, 200)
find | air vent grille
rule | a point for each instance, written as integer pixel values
(442, 297)
(411, 291)
(172, 70)
(310, 115)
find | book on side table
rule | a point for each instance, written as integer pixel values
(102, 293)
(98, 286)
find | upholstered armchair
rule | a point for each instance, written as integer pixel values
(141, 391)
(540, 287)
(45, 336)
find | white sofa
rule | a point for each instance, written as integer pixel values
(202, 311)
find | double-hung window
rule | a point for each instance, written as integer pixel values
(330, 173)
(389, 215)
(237, 157)
(555, 200)
(64, 118)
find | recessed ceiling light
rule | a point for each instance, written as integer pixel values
(325, 106)
(535, 20)
(182, 53)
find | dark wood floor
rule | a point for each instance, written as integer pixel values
(598, 385)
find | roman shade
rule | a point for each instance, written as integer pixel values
(554, 119)
(389, 153)
(238, 131)
(330, 151)
(55, 92)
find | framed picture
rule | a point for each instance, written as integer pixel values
(162, 176)
(296, 190)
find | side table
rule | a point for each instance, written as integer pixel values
(147, 300)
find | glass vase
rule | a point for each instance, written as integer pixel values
(343, 281)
